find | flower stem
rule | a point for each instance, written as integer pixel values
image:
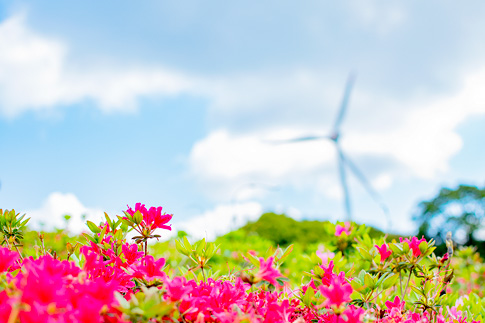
(203, 274)
(14, 314)
(19, 261)
(18, 251)
(409, 278)
(400, 283)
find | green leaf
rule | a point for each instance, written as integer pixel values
(210, 250)
(423, 246)
(200, 246)
(405, 247)
(417, 290)
(309, 296)
(389, 281)
(24, 223)
(137, 217)
(396, 248)
(429, 251)
(252, 259)
(180, 248)
(361, 275)
(118, 235)
(364, 253)
(103, 232)
(281, 280)
(369, 282)
(88, 237)
(187, 244)
(357, 286)
(377, 259)
(93, 227)
(287, 252)
(108, 220)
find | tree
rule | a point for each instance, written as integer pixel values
(460, 211)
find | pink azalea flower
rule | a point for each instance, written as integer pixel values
(341, 229)
(177, 288)
(384, 251)
(327, 273)
(354, 314)
(153, 217)
(337, 293)
(5, 306)
(266, 271)
(131, 253)
(278, 312)
(7, 259)
(444, 258)
(227, 317)
(396, 304)
(413, 244)
(150, 269)
(455, 314)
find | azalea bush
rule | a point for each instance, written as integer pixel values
(349, 277)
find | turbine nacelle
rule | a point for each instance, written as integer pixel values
(334, 137)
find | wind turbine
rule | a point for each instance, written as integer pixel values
(344, 163)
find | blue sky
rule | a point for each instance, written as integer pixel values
(170, 103)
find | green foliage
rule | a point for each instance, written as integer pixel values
(460, 211)
(411, 270)
(145, 306)
(283, 230)
(55, 243)
(199, 253)
(11, 226)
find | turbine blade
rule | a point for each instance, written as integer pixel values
(368, 187)
(344, 104)
(300, 139)
(343, 182)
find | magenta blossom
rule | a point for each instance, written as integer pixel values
(341, 229)
(7, 259)
(266, 271)
(444, 258)
(397, 304)
(153, 217)
(131, 253)
(413, 244)
(337, 293)
(354, 314)
(177, 288)
(384, 251)
(149, 268)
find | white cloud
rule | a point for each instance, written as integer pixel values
(225, 156)
(382, 182)
(35, 73)
(56, 206)
(419, 140)
(298, 88)
(220, 220)
(233, 160)
(381, 16)
(426, 138)
(38, 72)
